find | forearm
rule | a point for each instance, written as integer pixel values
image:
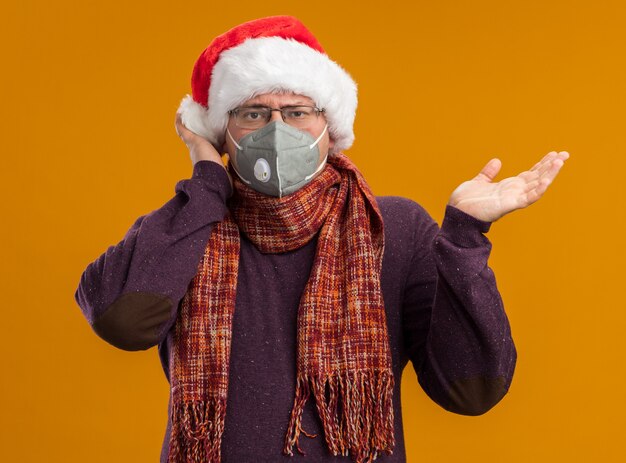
(130, 293)
(469, 354)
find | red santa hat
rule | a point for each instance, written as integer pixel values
(267, 55)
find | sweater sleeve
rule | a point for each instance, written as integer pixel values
(456, 331)
(130, 294)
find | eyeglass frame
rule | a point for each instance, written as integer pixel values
(233, 112)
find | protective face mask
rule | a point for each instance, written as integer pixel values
(277, 159)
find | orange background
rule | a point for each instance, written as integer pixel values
(89, 92)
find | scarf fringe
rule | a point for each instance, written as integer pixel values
(197, 429)
(357, 416)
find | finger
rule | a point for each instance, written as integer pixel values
(545, 163)
(539, 186)
(489, 172)
(543, 159)
(183, 132)
(548, 168)
(178, 124)
(529, 176)
(533, 194)
(532, 184)
(552, 170)
(535, 182)
(545, 168)
(547, 158)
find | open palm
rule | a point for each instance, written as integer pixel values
(487, 200)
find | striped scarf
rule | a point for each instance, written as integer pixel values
(343, 355)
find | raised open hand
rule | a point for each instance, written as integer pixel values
(488, 201)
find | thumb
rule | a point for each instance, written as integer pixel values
(489, 172)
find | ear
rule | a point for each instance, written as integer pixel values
(225, 143)
(331, 143)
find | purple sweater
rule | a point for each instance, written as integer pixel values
(444, 312)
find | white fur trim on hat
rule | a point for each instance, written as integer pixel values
(194, 117)
(270, 64)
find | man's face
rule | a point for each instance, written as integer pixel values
(278, 101)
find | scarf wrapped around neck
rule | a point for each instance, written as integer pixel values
(343, 355)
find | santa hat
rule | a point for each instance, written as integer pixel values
(267, 55)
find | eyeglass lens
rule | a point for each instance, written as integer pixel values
(254, 117)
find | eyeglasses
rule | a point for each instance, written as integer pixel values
(255, 117)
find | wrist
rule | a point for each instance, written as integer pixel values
(208, 171)
(471, 209)
(204, 155)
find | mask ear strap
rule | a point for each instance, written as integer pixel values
(311, 146)
(318, 169)
(233, 140)
(232, 164)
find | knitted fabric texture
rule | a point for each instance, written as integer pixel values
(343, 355)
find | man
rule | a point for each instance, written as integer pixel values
(285, 298)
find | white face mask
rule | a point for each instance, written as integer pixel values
(277, 159)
